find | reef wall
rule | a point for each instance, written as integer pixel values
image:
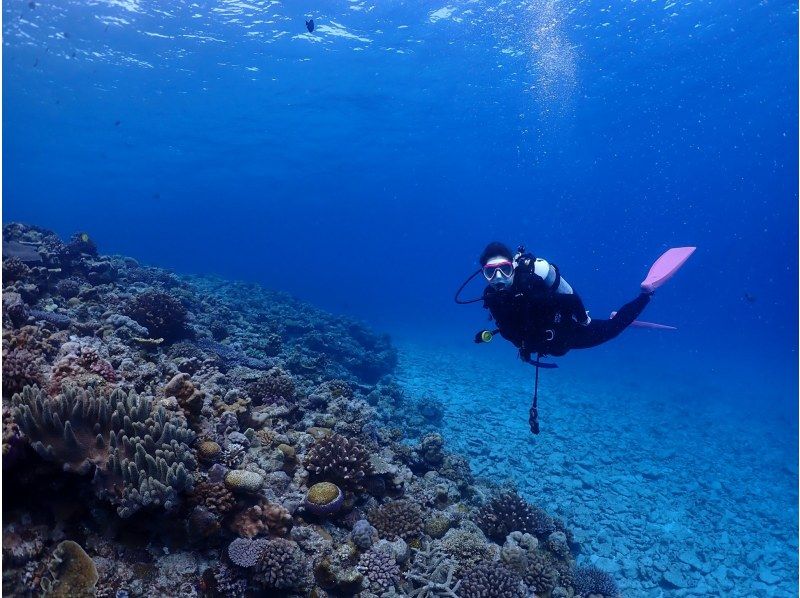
(167, 435)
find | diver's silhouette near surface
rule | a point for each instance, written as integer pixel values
(538, 311)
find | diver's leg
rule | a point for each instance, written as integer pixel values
(600, 331)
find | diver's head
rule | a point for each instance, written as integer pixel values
(497, 265)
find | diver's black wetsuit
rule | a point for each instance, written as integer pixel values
(536, 319)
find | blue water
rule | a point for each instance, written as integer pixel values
(363, 167)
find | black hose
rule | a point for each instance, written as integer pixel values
(461, 288)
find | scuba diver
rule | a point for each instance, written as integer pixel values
(538, 311)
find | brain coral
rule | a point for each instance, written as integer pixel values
(282, 565)
(491, 580)
(163, 315)
(398, 519)
(140, 455)
(339, 459)
(591, 580)
(505, 513)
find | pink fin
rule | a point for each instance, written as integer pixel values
(651, 325)
(669, 263)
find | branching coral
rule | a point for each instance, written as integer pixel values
(398, 519)
(163, 315)
(282, 566)
(505, 513)
(275, 385)
(491, 579)
(591, 580)
(432, 574)
(20, 369)
(213, 496)
(339, 459)
(140, 456)
(380, 569)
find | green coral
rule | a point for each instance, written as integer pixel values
(74, 574)
(140, 456)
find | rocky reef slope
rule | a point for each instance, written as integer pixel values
(167, 436)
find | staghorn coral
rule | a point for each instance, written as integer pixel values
(398, 519)
(73, 572)
(262, 519)
(20, 369)
(213, 496)
(491, 580)
(505, 513)
(282, 566)
(163, 315)
(380, 569)
(432, 574)
(339, 459)
(593, 581)
(140, 456)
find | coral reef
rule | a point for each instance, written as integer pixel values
(163, 315)
(591, 581)
(74, 574)
(505, 513)
(398, 519)
(380, 570)
(20, 369)
(282, 565)
(336, 458)
(207, 438)
(491, 579)
(324, 498)
(139, 456)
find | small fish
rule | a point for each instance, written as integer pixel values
(31, 4)
(749, 298)
(117, 123)
(310, 25)
(35, 63)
